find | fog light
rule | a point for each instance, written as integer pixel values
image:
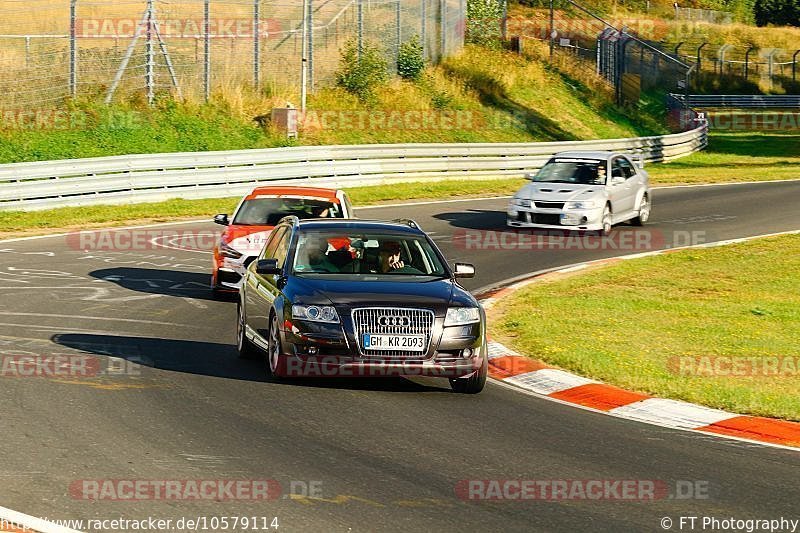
(466, 353)
(312, 350)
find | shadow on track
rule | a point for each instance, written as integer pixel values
(475, 219)
(217, 360)
(176, 283)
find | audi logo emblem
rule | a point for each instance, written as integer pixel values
(394, 321)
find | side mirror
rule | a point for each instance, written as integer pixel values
(617, 180)
(222, 220)
(267, 267)
(530, 175)
(463, 270)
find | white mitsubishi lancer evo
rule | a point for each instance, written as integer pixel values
(582, 190)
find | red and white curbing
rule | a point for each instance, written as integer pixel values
(534, 376)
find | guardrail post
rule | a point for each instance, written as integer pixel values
(73, 49)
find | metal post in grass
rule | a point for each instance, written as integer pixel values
(397, 32)
(552, 34)
(206, 50)
(304, 59)
(360, 24)
(149, 74)
(699, 59)
(256, 44)
(422, 34)
(747, 61)
(794, 65)
(504, 22)
(443, 27)
(27, 51)
(73, 48)
(310, 31)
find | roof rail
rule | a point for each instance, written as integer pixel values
(407, 222)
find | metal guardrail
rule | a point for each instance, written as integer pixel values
(156, 177)
(740, 101)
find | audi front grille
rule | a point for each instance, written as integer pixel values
(392, 321)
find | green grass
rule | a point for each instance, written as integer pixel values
(736, 156)
(624, 323)
(20, 223)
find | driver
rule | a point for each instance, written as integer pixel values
(389, 261)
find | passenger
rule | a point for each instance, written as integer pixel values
(316, 250)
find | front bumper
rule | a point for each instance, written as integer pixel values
(573, 219)
(326, 350)
(230, 272)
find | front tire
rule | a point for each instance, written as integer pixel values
(247, 350)
(475, 383)
(276, 362)
(644, 212)
(606, 221)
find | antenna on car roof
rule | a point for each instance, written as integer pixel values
(408, 222)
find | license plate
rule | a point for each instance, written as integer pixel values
(409, 343)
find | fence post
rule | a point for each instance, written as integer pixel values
(397, 35)
(360, 24)
(256, 44)
(424, 18)
(304, 58)
(149, 75)
(794, 65)
(442, 27)
(311, 44)
(207, 50)
(73, 49)
(700, 49)
(747, 61)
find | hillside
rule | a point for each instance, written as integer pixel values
(465, 99)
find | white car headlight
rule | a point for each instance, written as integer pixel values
(582, 204)
(459, 316)
(228, 251)
(521, 202)
(316, 313)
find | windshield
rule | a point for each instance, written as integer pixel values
(371, 256)
(269, 211)
(581, 171)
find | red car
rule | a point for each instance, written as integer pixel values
(255, 217)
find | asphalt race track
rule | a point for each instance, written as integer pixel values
(377, 455)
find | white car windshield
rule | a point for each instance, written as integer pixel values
(583, 172)
(269, 211)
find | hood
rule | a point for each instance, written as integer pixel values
(346, 294)
(247, 240)
(558, 192)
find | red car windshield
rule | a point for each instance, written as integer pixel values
(269, 211)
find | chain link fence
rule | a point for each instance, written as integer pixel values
(51, 50)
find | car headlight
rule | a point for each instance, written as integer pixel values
(521, 202)
(459, 316)
(582, 204)
(227, 251)
(316, 313)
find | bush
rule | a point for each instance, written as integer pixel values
(484, 19)
(410, 60)
(361, 76)
(777, 12)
